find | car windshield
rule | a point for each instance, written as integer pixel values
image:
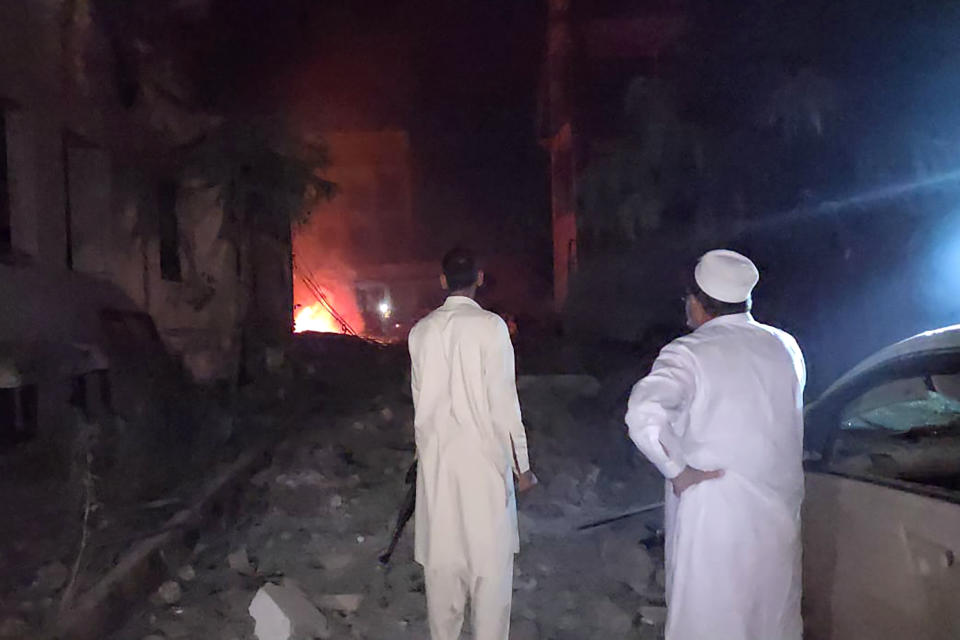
(906, 429)
(905, 404)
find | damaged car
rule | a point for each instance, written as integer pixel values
(881, 521)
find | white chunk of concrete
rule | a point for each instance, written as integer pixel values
(342, 602)
(284, 612)
(240, 562)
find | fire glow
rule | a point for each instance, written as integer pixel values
(330, 307)
(317, 318)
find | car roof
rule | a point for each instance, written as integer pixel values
(936, 340)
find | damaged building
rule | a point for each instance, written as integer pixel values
(105, 237)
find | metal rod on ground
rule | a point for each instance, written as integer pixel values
(623, 516)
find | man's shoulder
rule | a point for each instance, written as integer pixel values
(783, 336)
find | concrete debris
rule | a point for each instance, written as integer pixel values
(304, 478)
(240, 562)
(565, 488)
(628, 563)
(654, 615)
(343, 602)
(524, 630)
(328, 502)
(51, 578)
(660, 577)
(170, 592)
(336, 561)
(187, 573)
(386, 414)
(14, 627)
(284, 612)
(612, 618)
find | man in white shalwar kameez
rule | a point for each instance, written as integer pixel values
(720, 415)
(470, 445)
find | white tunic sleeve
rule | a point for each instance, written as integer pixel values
(654, 405)
(501, 379)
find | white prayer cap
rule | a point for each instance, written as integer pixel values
(726, 275)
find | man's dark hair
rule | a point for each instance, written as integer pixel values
(460, 268)
(718, 308)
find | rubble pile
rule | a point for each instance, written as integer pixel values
(303, 560)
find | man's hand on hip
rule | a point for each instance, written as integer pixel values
(690, 477)
(526, 481)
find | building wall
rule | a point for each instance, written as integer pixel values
(83, 185)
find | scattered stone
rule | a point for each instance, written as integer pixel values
(187, 573)
(286, 536)
(14, 627)
(153, 636)
(170, 592)
(336, 561)
(240, 562)
(612, 618)
(360, 539)
(304, 478)
(563, 487)
(51, 577)
(525, 584)
(173, 629)
(387, 414)
(342, 602)
(261, 478)
(282, 612)
(336, 501)
(524, 630)
(661, 578)
(654, 615)
(628, 563)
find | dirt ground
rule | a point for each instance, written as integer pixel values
(320, 514)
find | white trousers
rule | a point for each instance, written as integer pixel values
(490, 599)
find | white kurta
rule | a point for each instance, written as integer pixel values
(729, 396)
(466, 414)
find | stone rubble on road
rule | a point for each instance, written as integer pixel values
(283, 612)
(317, 519)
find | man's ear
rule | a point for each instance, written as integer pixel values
(479, 278)
(443, 282)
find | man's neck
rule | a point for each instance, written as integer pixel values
(470, 292)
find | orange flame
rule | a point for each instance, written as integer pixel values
(316, 317)
(313, 315)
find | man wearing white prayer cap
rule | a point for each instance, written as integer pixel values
(720, 415)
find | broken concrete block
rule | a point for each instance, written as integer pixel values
(170, 592)
(661, 578)
(14, 627)
(628, 563)
(240, 562)
(565, 488)
(284, 612)
(524, 630)
(342, 602)
(51, 577)
(612, 618)
(654, 615)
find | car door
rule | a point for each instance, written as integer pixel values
(881, 526)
